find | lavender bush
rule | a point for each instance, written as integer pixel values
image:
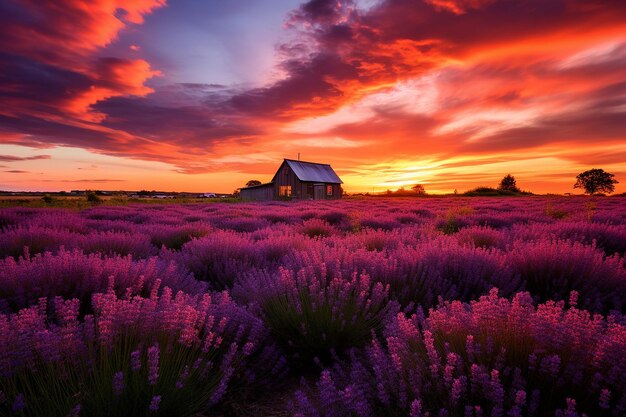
(162, 355)
(74, 274)
(316, 316)
(492, 357)
(552, 269)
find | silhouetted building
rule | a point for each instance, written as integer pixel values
(297, 180)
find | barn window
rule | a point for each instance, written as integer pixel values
(329, 190)
(284, 191)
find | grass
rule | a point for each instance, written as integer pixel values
(80, 202)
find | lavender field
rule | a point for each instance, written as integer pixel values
(374, 307)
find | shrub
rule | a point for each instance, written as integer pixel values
(555, 212)
(315, 317)
(24, 240)
(481, 237)
(93, 198)
(552, 269)
(381, 240)
(610, 238)
(336, 218)
(59, 220)
(492, 357)
(454, 219)
(219, 258)
(379, 223)
(116, 243)
(73, 274)
(445, 270)
(316, 228)
(174, 237)
(159, 355)
(47, 199)
(241, 224)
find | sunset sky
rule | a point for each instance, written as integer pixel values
(204, 95)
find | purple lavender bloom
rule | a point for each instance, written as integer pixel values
(118, 383)
(155, 403)
(153, 364)
(135, 360)
(19, 403)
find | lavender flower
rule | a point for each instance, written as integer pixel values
(153, 364)
(154, 403)
(19, 403)
(118, 383)
(135, 360)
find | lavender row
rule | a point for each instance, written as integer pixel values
(493, 357)
(134, 356)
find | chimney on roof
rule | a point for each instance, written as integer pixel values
(298, 156)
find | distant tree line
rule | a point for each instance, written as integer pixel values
(594, 181)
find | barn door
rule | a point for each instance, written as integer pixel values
(319, 192)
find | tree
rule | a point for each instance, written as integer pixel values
(508, 183)
(252, 183)
(419, 189)
(596, 181)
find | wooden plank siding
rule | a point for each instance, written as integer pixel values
(262, 192)
(285, 177)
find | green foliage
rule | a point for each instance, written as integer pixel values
(47, 199)
(554, 212)
(508, 183)
(317, 228)
(451, 222)
(93, 388)
(92, 197)
(596, 181)
(316, 318)
(419, 189)
(493, 192)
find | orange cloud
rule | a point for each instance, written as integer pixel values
(459, 6)
(111, 78)
(53, 31)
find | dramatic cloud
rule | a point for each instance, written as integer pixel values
(11, 158)
(453, 85)
(60, 32)
(51, 75)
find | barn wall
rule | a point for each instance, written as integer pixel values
(286, 177)
(260, 193)
(336, 192)
(305, 191)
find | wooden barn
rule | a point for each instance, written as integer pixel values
(297, 180)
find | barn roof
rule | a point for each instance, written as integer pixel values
(313, 172)
(258, 186)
